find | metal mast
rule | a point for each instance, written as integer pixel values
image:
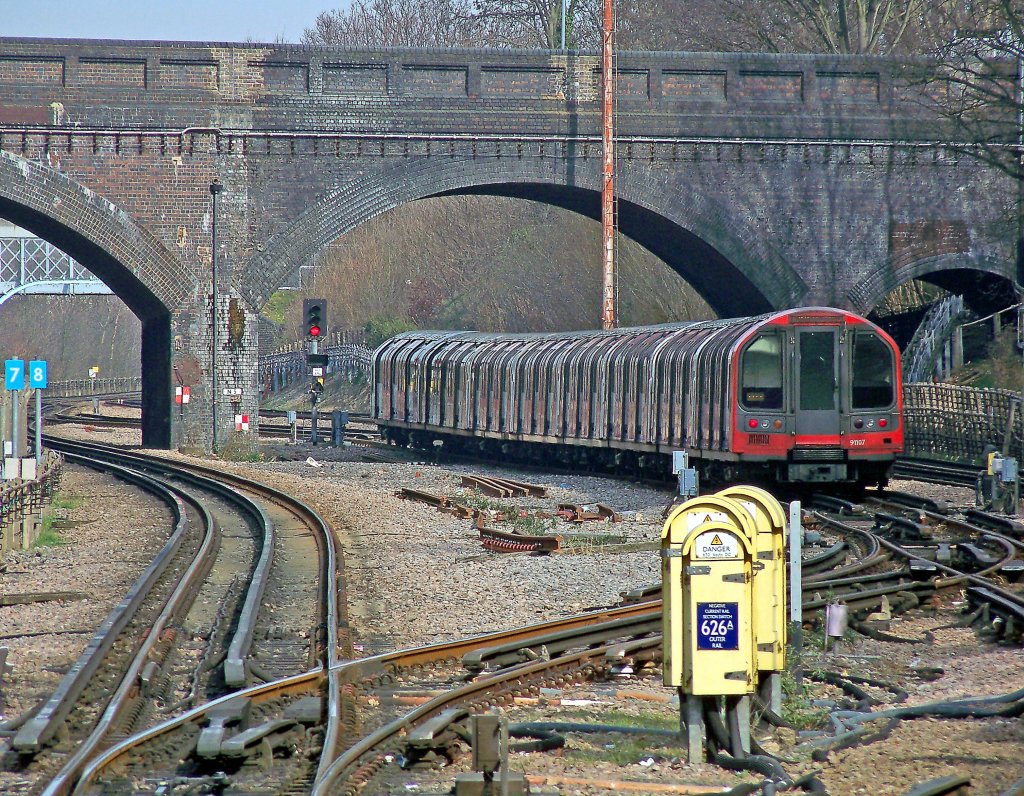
(609, 319)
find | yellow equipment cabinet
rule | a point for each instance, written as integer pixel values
(706, 589)
(769, 573)
(683, 520)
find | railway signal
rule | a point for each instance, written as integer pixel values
(314, 314)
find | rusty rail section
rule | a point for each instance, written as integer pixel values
(503, 487)
(506, 542)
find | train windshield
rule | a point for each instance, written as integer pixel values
(817, 371)
(874, 373)
(761, 380)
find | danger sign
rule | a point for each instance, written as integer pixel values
(716, 544)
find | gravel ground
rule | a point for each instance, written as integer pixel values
(110, 533)
(416, 575)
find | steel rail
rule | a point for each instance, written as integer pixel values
(39, 729)
(331, 565)
(937, 472)
(180, 600)
(872, 557)
(956, 577)
(351, 670)
(1010, 545)
(461, 694)
(301, 683)
(241, 641)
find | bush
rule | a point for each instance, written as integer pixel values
(241, 446)
(380, 327)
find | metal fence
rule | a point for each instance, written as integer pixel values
(943, 421)
(87, 387)
(21, 503)
(930, 348)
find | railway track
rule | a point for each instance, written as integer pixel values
(860, 570)
(292, 566)
(937, 472)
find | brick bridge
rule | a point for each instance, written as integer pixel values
(766, 181)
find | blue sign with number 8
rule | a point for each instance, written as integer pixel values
(37, 374)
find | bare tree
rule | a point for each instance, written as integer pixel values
(871, 27)
(978, 82)
(538, 23)
(397, 23)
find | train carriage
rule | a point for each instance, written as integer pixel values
(809, 395)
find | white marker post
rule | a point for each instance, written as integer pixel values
(796, 607)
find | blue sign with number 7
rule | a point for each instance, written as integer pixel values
(14, 374)
(37, 374)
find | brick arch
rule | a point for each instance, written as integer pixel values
(941, 269)
(128, 258)
(734, 268)
(148, 278)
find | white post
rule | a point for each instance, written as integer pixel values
(796, 612)
(39, 426)
(15, 422)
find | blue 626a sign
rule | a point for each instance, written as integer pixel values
(718, 626)
(14, 374)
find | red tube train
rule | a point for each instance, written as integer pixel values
(809, 395)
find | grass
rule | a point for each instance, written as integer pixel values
(529, 525)
(241, 447)
(277, 307)
(61, 501)
(618, 748)
(796, 705)
(66, 501)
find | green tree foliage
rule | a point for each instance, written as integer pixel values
(380, 327)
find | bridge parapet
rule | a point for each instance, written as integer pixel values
(148, 85)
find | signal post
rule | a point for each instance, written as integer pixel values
(314, 317)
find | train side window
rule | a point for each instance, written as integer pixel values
(761, 378)
(873, 372)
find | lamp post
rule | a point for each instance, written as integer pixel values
(215, 189)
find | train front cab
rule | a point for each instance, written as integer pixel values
(818, 393)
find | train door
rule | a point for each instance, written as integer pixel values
(817, 387)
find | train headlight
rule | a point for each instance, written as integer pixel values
(858, 423)
(778, 425)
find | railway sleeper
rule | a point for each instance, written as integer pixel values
(996, 522)
(1008, 624)
(555, 643)
(234, 713)
(972, 554)
(435, 739)
(902, 527)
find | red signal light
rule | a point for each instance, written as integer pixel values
(314, 331)
(752, 423)
(883, 423)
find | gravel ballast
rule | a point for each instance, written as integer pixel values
(416, 575)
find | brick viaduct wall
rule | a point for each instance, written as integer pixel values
(767, 181)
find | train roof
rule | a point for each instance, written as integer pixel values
(778, 317)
